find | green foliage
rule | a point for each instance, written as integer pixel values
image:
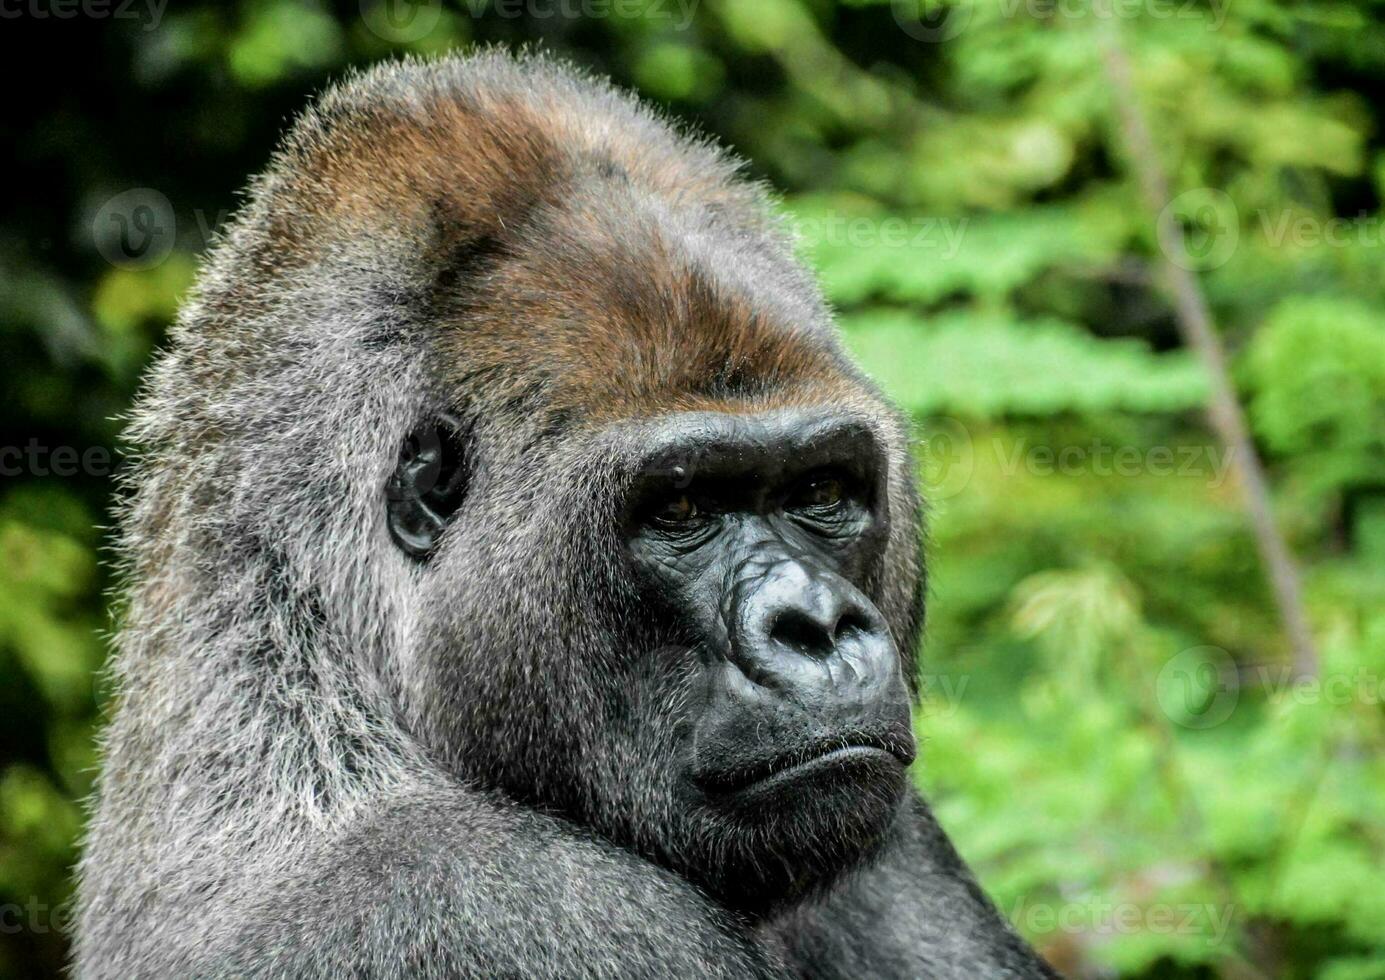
(987, 366)
(1317, 372)
(279, 39)
(1107, 726)
(866, 252)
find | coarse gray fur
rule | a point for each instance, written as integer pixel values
(328, 760)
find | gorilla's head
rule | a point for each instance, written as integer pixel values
(649, 540)
(663, 533)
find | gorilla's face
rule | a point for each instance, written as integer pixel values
(759, 537)
(667, 551)
(675, 642)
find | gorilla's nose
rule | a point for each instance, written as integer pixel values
(816, 628)
(810, 630)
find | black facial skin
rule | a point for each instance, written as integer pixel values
(763, 534)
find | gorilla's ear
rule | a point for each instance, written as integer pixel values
(427, 486)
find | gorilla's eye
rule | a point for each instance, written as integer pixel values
(677, 511)
(821, 491)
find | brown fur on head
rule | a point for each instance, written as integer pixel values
(567, 230)
(533, 253)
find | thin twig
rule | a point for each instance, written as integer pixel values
(1195, 324)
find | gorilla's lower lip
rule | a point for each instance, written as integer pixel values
(780, 774)
(836, 760)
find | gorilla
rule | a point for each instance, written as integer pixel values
(522, 582)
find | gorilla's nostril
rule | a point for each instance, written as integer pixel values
(795, 629)
(851, 623)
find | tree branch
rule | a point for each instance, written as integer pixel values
(1195, 324)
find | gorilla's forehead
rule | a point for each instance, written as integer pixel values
(633, 306)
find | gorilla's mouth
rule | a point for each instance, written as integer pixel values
(856, 756)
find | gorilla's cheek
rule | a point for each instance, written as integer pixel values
(643, 753)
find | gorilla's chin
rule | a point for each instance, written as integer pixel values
(798, 830)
